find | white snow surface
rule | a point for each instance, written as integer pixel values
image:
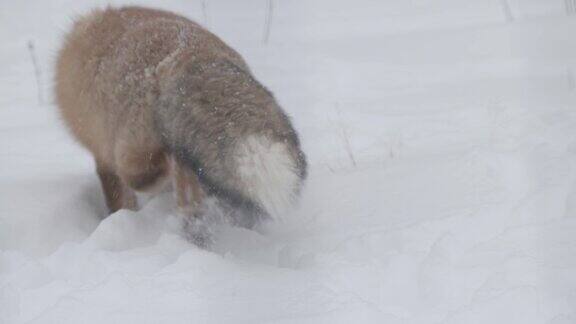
(441, 137)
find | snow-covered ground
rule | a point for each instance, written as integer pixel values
(441, 136)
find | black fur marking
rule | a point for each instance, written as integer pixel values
(230, 196)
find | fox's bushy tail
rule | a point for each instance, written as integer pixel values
(243, 148)
(268, 173)
(256, 174)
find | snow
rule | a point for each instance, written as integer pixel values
(442, 187)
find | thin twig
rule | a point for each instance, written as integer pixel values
(346, 138)
(507, 10)
(268, 21)
(37, 72)
(330, 168)
(570, 6)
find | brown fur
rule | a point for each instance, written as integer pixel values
(153, 94)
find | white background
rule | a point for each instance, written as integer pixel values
(441, 136)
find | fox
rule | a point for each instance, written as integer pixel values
(158, 99)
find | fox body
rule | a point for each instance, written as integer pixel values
(153, 95)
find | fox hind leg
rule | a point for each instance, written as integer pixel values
(189, 193)
(117, 194)
(189, 197)
(143, 169)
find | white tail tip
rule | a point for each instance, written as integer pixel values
(268, 173)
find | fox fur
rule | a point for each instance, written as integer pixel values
(153, 95)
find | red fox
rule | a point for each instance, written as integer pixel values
(153, 95)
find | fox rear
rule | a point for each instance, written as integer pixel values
(153, 96)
